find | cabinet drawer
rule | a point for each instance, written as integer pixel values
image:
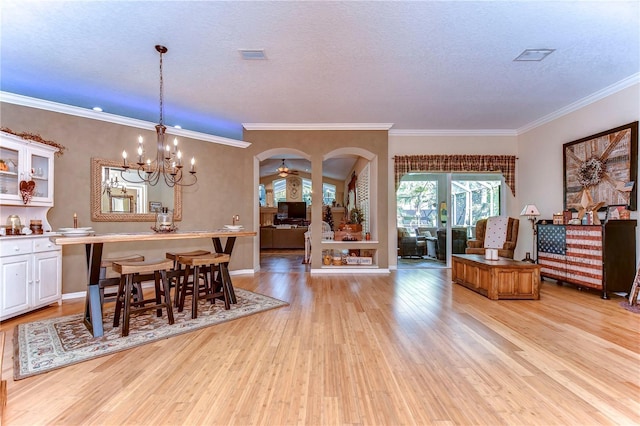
(44, 244)
(10, 247)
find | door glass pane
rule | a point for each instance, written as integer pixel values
(40, 175)
(8, 171)
(474, 197)
(417, 201)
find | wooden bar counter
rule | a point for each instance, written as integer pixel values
(95, 243)
(497, 279)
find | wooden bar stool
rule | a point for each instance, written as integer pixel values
(107, 295)
(177, 273)
(128, 270)
(208, 263)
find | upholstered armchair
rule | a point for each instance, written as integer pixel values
(409, 245)
(476, 245)
(458, 241)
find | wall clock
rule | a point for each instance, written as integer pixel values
(602, 168)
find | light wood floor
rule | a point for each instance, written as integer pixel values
(407, 348)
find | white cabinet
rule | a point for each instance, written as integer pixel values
(30, 274)
(28, 161)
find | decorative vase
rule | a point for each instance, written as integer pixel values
(164, 220)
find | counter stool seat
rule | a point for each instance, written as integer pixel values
(129, 270)
(104, 283)
(177, 272)
(206, 264)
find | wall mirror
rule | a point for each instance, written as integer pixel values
(121, 196)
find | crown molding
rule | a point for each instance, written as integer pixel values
(12, 98)
(317, 126)
(594, 97)
(453, 132)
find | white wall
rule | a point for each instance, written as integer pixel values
(540, 168)
(539, 150)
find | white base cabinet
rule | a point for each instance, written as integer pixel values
(30, 274)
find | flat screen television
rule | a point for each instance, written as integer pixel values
(292, 210)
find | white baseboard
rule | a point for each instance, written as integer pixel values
(347, 270)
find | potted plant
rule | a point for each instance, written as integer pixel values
(356, 219)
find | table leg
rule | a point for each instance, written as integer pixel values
(228, 249)
(93, 307)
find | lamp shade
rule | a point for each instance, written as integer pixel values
(530, 210)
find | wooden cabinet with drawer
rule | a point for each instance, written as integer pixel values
(601, 257)
(30, 274)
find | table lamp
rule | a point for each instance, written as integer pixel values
(531, 211)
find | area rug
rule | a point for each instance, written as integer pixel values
(46, 345)
(633, 308)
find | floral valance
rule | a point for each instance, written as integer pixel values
(505, 164)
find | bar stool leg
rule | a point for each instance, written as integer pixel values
(156, 282)
(119, 301)
(167, 295)
(127, 305)
(183, 289)
(196, 292)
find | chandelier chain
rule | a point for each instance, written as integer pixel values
(168, 162)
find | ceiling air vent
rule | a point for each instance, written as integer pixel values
(534, 55)
(252, 54)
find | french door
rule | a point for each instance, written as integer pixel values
(444, 208)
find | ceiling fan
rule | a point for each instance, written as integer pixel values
(284, 171)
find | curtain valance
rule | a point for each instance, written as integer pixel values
(505, 164)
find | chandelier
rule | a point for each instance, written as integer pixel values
(110, 184)
(283, 170)
(167, 165)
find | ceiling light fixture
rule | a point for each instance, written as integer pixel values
(283, 170)
(168, 162)
(97, 109)
(535, 55)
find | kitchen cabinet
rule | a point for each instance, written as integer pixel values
(28, 161)
(30, 274)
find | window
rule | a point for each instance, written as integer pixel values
(328, 194)
(306, 191)
(417, 201)
(279, 190)
(262, 195)
(474, 198)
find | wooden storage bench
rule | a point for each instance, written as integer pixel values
(497, 279)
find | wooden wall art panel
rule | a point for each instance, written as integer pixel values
(602, 168)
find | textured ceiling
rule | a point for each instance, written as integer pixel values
(442, 65)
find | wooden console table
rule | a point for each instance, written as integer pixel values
(497, 279)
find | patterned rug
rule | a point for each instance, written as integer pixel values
(46, 345)
(633, 308)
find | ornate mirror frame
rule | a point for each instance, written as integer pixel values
(96, 197)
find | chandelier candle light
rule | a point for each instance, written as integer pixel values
(168, 162)
(531, 211)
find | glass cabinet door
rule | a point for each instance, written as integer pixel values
(9, 173)
(40, 166)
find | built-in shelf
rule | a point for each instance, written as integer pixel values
(328, 244)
